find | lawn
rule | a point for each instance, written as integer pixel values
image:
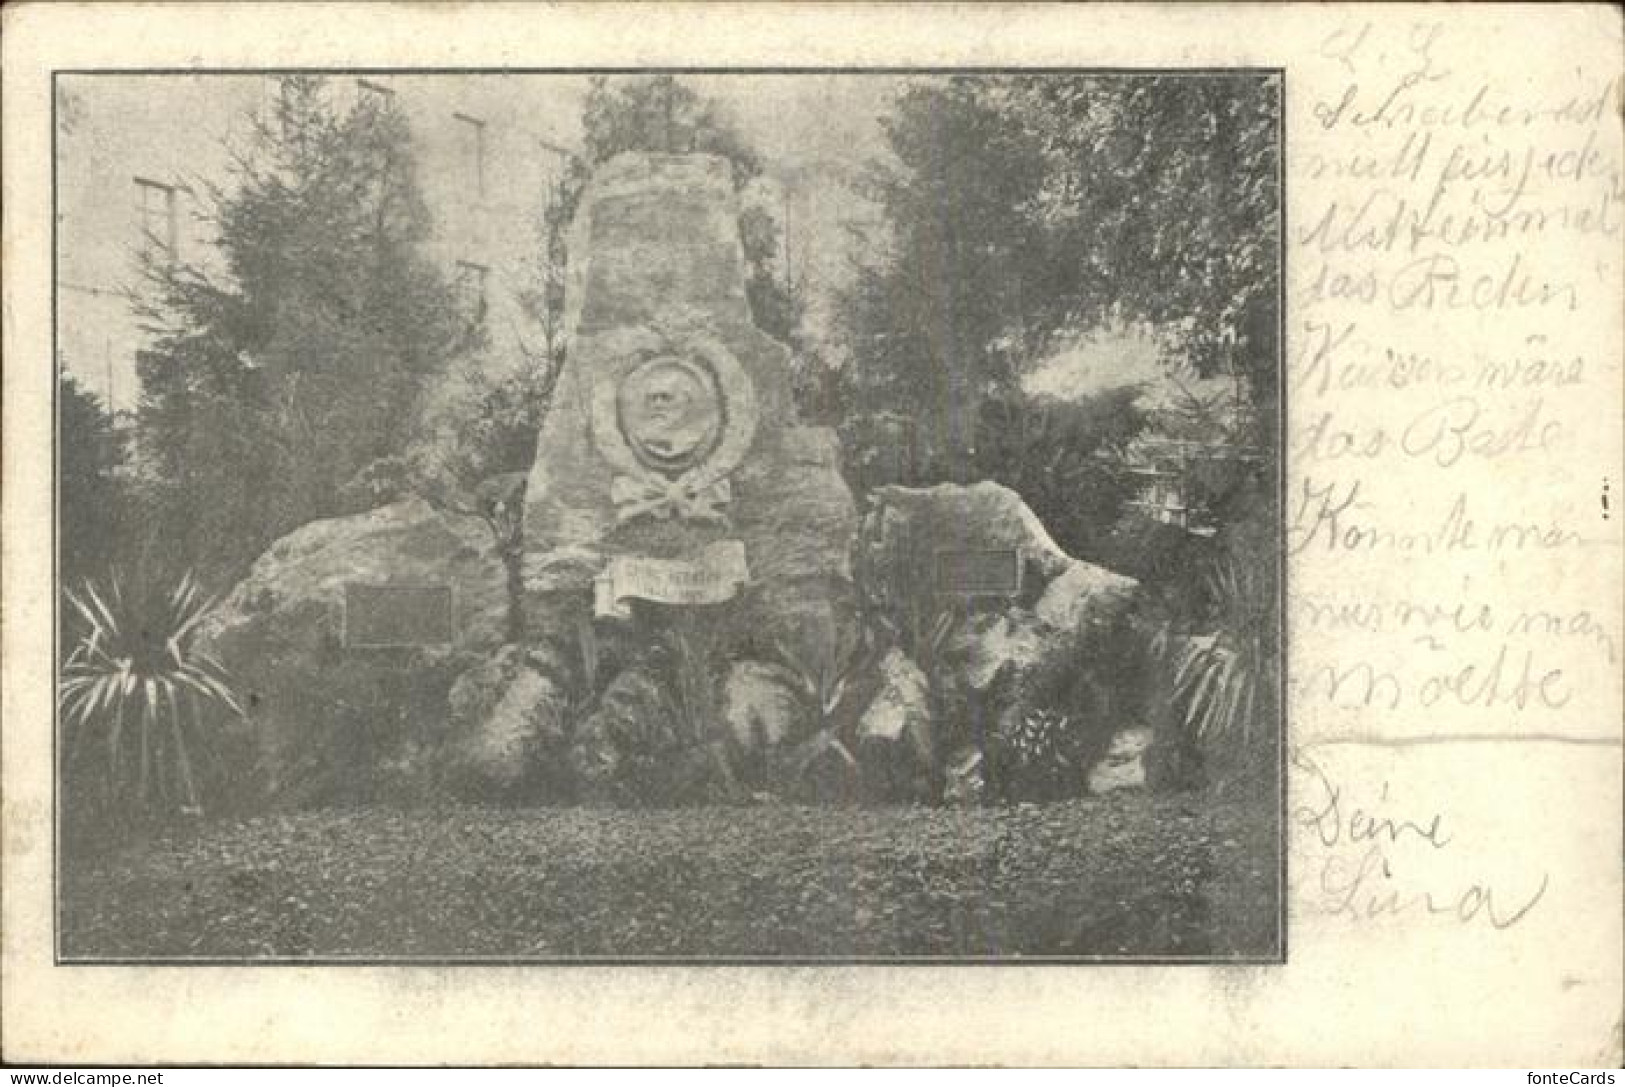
(1130, 874)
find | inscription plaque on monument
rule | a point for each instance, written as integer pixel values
(993, 572)
(398, 616)
(710, 578)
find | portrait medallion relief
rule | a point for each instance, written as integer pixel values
(674, 426)
(670, 411)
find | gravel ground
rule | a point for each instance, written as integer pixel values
(1126, 874)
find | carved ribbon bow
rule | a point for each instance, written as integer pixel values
(677, 498)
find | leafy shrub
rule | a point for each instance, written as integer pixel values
(1221, 687)
(1166, 559)
(1041, 755)
(1065, 460)
(137, 685)
(653, 736)
(1064, 712)
(693, 683)
(352, 730)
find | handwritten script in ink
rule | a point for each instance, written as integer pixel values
(1444, 379)
(1375, 850)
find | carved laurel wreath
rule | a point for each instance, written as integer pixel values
(738, 409)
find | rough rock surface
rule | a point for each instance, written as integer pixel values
(1124, 764)
(664, 275)
(634, 748)
(663, 269)
(905, 528)
(327, 715)
(759, 705)
(901, 712)
(1085, 593)
(294, 593)
(896, 737)
(1000, 657)
(672, 429)
(964, 778)
(986, 648)
(509, 721)
(632, 721)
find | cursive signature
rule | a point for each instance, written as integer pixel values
(1366, 890)
(1357, 880)
(1335, 822)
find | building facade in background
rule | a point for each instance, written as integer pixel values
(143, 153)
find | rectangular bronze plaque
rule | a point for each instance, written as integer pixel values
(396, 616)
(995, 572)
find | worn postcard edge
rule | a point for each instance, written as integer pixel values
(1009, 1015)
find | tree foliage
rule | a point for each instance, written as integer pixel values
(93, 501)
(1162, 200)
(661, 115)
(928, 324)
(1023, 211)
(543, 299)
(273, 382)
(1066, 461)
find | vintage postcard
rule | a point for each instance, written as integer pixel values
(891, 534)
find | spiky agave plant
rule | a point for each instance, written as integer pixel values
(137, 684)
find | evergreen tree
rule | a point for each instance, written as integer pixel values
(935, 323)
(91, 509)
(270, 387)
(661, 115)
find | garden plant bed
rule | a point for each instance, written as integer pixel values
(1126, 874)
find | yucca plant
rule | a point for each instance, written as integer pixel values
(137, 686)
(832, 692)
(691, 762)
(1223, 684)
(692, 692)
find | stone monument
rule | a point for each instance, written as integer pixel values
(672, 483)
(686, 626)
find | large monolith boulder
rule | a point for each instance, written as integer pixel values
(673, 430)
(673, 486)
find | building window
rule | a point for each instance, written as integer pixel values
(471, 151)
(374, 95)
(469, 288)
(160, 238)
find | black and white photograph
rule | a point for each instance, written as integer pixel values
(630, 516)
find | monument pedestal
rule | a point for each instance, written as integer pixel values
(674, 496)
